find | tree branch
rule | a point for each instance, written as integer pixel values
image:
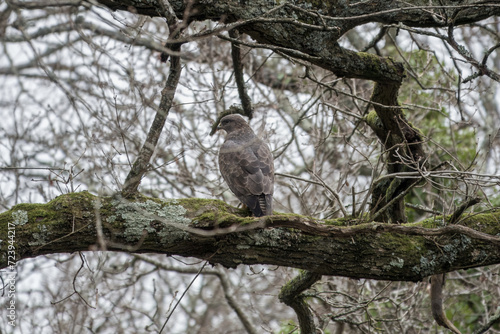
(246, 103)
(461, 209)
(141, 164)
(291, 295)
(225, 284)
(437, 282)
(493, 320)
(210, 229)
(292, 26)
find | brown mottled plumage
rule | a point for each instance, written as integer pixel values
(246, 164)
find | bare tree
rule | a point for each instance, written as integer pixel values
(383, 119)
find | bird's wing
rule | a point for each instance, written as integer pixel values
(266, 165)
(249, 172)
(247, 168)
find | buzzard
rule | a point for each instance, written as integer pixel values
(246, 164)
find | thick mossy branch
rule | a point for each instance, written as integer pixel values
(212, 230)
(415, 14)
(312, 28)
(404, 146)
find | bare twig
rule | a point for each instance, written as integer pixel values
(224, 280)
(75, 291)
(467, 55)
(182, 296)
(334, 193)
(233, 303)
(142, 163)
(460, 210)
(493, 320)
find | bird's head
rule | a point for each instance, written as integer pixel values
(231, 123)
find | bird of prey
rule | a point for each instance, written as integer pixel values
(246, 164)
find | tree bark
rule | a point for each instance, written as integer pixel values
(405, 153)
(142, 162)
(292, 295)
(313, 28)
(212, 230)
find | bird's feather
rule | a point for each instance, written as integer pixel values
(246, 164)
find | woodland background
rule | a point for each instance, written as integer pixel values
(81, 84)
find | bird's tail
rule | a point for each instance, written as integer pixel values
(265, 205)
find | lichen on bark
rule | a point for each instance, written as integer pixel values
(228, 237)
